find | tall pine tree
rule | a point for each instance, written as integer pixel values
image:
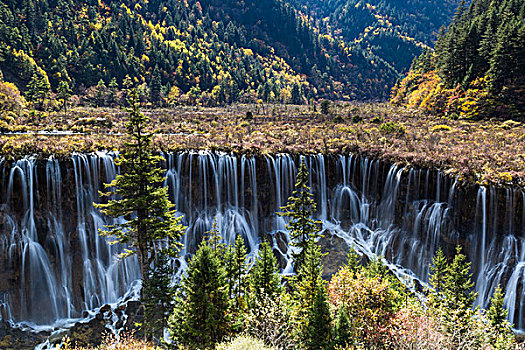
(458, 299)
(264, 279)
(155, 86)
(64, 94)
(497, 316)
(201, 315)
(438, 272)
(299, 210)
(313, 317)
(38, 88)
(458, 284)
(139, 195)
(237, 271)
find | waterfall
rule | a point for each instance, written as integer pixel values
(63, 266)
(58, 265)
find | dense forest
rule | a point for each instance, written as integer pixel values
(393, 31)
(211, 52)
(477, 68)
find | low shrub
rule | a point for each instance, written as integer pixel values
(244, 342)
(357, 119)
(125, 341)
(440, 127)
(338, 120)
(376, 120)
(392, 128)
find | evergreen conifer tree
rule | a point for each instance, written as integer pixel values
(497, 314)
(264, 279)
(312, 310)
(236, 268)
(296, 98)
(38, 88)
(325, 107)
(237, 271)
(64, 94)
(502, 336)
(458, 299)
(300, 209)
(113, 88)
(141, 197)
(155, 86)
(352, 260)
(458, 284)
(200, 318)
(318, 335)
(160, 292)
(438, 273)
(376, 268)
(342, 331)
(127, 83)
(101, 93)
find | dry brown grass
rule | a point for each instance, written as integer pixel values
(126, 341)
(489, 151)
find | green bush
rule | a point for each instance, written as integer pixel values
(392, 128)
(357, 119)
(244, 342)
(376, 120)
(338, 119)
(325, 107)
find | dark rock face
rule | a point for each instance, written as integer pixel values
(16, 338)
(336, 251)
(91, 333)
(123, 318)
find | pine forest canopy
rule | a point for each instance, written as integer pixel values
(477, 69)
(394, 31)
(217, 51)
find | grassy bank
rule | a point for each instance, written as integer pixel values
(489, 152)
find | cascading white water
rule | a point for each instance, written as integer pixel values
(402, 214)
(63, 265)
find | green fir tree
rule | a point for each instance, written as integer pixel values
(458, 284)
(497, 316)
(264, 279)
(113, 89)
(312, 310)
(160, 292)
(299, 210)
(237, 271)
(458, 299)
(101, 94)
(318, 331)
(352, 260)
(38, 89)
(139, 195)
(438, 273)
(342, 332)
(155, 87)
(201, 315)
(296, 98)
(236, 267)
(64, 94)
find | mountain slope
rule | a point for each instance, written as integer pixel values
(206, 51)
(477, 69)
(395, 31)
